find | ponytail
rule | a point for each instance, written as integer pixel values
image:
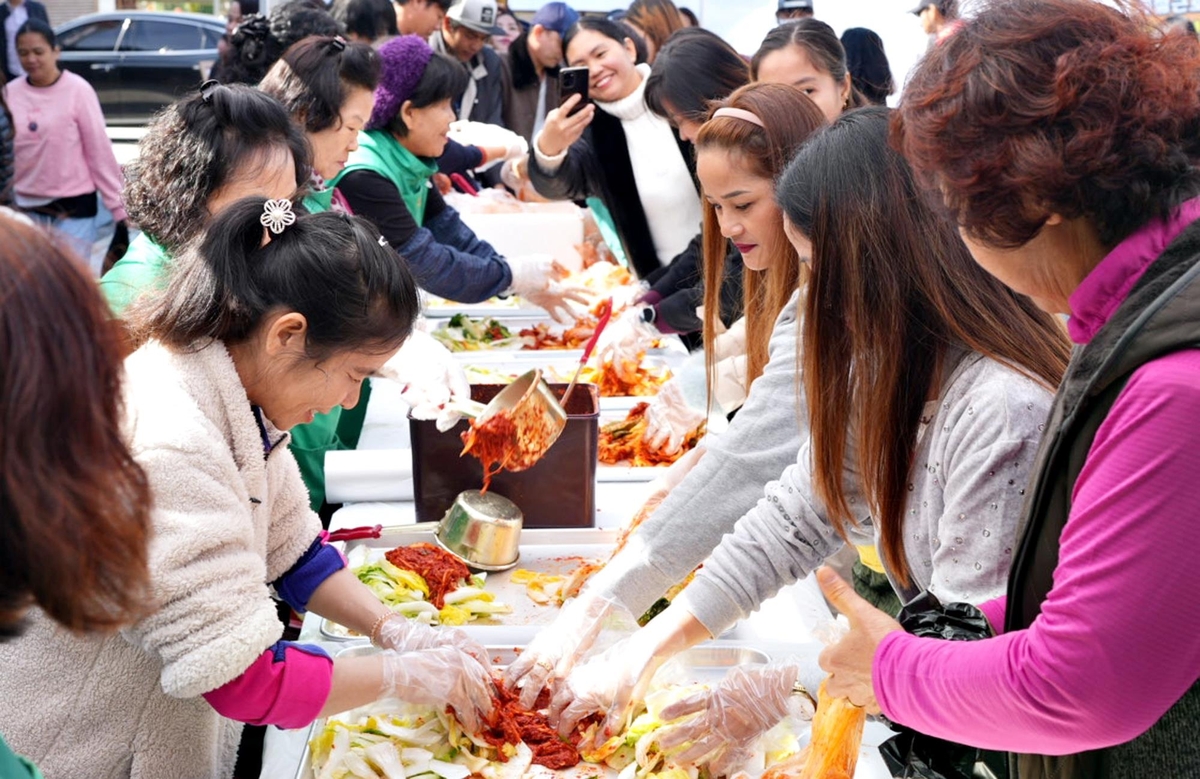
(332, 268)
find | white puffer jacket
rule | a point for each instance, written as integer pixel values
(227, 521)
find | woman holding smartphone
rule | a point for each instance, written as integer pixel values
(619, 151)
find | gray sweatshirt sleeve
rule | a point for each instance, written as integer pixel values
(778, 542)
(760, 443)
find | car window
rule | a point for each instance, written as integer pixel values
(161, 36)
(97, 36)
(211, 37)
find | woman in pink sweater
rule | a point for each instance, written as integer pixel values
(1063, 136)
(63, 156)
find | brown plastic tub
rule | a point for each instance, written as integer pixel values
(559, 491)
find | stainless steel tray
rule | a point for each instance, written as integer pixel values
(706, 663)
(545, 551)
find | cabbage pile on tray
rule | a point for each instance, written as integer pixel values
(466, 334)
(396, 740)
(635, 754)
(407, 593)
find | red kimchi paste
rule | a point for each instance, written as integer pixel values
(491, 442)
(510, 723)
(442, 571)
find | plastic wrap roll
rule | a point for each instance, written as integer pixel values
(368, 475)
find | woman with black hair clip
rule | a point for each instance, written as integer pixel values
(199, 155)
(387, 181)
(327, 85)
(807, 54)
(240, 347)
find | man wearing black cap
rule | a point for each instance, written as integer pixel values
(791, 10)
(939, 18)
(464, 35)
(531, 69)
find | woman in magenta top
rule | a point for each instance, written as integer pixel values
(1063, 137)
(62, 154)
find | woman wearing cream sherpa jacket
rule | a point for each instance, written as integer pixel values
(168, 696)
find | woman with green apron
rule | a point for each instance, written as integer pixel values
(388, 177)
(327, 86)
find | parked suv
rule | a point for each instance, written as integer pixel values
(139, 61)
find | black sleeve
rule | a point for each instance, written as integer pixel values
(678, 305)
(434, 204)
(575, 179)
(372, 196)
(458, 158)
(682, 272)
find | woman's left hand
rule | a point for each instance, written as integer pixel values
(849, 661)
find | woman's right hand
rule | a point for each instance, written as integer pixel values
(562, 130)
(444, 676)
(556, 648)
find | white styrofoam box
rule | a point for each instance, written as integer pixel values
(516, 235)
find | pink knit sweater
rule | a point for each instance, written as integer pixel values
(60, 146)
(1117, 642)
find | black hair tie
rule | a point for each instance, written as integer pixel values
(337, 45)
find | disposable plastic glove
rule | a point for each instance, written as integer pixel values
(492, 136)
(670, 420)
(625, 338)
(723, 723)
(612, 682)
(431, 378)
(405, 635)
(556, 648)
(440, 677)
(538, 279)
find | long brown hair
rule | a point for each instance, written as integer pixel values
(892, 288)
(74, 506)
(789, 119)
(657, 19)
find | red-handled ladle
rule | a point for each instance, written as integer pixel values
(605, 314)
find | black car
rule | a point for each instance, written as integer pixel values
(139, 61)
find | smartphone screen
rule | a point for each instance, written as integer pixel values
(573, 81)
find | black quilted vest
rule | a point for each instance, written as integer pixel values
(1160, 316)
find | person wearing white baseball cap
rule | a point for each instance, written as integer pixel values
(463, 36)
(791, 10)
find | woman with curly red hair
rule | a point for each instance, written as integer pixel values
(1063, 136)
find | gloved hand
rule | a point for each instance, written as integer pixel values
(722, 723)
(492, 137)
(538, 279)
(669, 419)
(405, 635)
(612, 682)
(440, 677)
(624, 340)
(556, 648)
(431, 378)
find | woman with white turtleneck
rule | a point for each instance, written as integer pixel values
(620, 151)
